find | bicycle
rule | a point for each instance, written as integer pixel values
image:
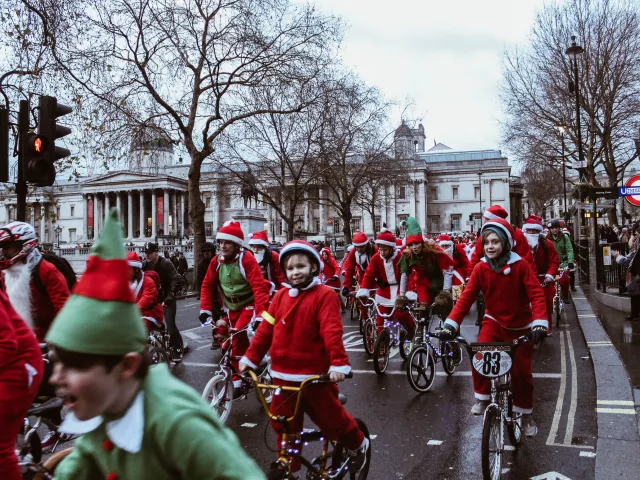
(290, 446)
(220, 392)
(558, 304)
(494, 360)
(160, 349)
(392, 335)
(370, 327)
(45, 470)
(424, 356)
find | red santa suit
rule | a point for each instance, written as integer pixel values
(356, 264)
(21, 371)
(302, 331)
(270, 266)
(459, 271)
(330, 275)
(146, 294)
(514, 304)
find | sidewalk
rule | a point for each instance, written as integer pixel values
(614, 348)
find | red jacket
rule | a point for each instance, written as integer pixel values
(330, 269)
(18, 345)
(46, 307)
(521, 248)
(351, 267)
(385, 276)
(461, 265)
(303, 335)
(146, 295)
(509, 295)
(251, 272)
(274, 272)
(547, 262)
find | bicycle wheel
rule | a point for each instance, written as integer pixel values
(340, 456)
(381, 352)
(218, 393)
(448, 365)
(492, 446)
(514, 427)
(52, 462)
(406, 346)
(277, 473)
(369, 336)
(421, 369)
(158, 355)
(355, 310)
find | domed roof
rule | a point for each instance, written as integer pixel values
(150, 137)
(403, 130)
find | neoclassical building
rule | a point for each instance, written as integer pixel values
(449, 190)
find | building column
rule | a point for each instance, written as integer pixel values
(422, 209)
(107, 205)
(119, 205)
(96, 218)
(129, 214)
(165, 212)
(142, 219)
(42, 220)
(323, 220)
(174, 212)
(154, 211)
(181, 215)
(215, 199)
(412, 200)
(306, 212)
(85, 219)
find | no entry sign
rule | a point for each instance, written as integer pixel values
(631, 190)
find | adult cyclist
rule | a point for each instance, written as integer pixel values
(563, 246)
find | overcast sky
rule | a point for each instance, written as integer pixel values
(443, 56)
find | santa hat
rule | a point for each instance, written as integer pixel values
(134, 260)
(504, 226)
(565, 230)
(325, 250)
(495, 211)
(444, 238)
(360, 239)
(414, 232)
(101, 316)
(259, 238)
(386, 237)
(232, 232)
(533, 222)
(399, 242)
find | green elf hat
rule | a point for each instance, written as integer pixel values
(101, 316)
(414, 232)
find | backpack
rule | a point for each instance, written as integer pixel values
(153, 275)
(61, 264)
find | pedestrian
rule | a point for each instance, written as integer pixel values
(631, 262)
(183, 266)
(208, 250)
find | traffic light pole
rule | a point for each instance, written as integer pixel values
(21, 184)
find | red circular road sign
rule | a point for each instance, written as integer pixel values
(633, 182)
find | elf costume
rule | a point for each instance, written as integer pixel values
(269, 261)
(303, 333)
(421, 275)
(238, 284)
(514, 304)
(167, 432)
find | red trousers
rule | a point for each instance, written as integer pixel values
(239, 319)
(321, 403)
(521, 373)
(405, 319)
(16, 396)
(565, 283)
(549, 293)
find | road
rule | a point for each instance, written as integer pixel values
(434, 435)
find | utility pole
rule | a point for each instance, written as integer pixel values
(21, 184)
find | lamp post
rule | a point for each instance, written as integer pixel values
(562, 128)
(58, 231)
(575, 51)
(480, 193)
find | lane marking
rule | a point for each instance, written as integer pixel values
(587, 315)
(459, 373)
(434, 442)
(579, 298)
(198, 364)
(601, 345)
(620, 411)
(356, 350)
(563, 386)
(574, 392)
(248, 425)
(588, 454)
(569, 446)
(509, 448)
(629, 403)
(373, 437)
(192, 336)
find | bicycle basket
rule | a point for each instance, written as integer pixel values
(491, 359)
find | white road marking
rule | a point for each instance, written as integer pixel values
(629, 403)
(574, 392)
(198, 364)
(621, 411)
(587, 315)
(563, 386)
(569, 446)
(249, 425)
(459, 373)
(192, 336)
(588, 454)
(434, 442)
(356, 350)
(373, 437)
(550, 476)
(509, 448)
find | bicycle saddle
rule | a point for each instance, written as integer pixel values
(342, 398)
(51, 404)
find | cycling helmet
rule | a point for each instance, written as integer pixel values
(300, 246)
(21, 233)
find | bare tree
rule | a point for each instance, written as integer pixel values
(537, 80)
(190, 66)
(543, 186)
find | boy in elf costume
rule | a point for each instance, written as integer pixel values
(302, 330)
(137, 422)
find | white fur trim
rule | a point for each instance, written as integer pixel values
(412, 296)
(292, 377)
(501, 227)
(390, 270)
(513, 258)
(384, 242)
(344, 369)
(293, 292)
(532, 226)
(137, 287)
(482, 396)
(507, 271)
(490, 216)
(231, 238)
(17, 280)
(154, 321)
(540, 322)
(246, 361)
(134, 264)
(272, 289)
(388, 302)
(259, 242)
(451, 322)
(301, 246)
(206, 311)
(550, 277)
(361, 244)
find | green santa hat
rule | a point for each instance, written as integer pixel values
(414, 232)
(101, 316)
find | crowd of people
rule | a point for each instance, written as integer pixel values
(290, 301)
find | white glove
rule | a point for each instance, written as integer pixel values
(412, 296)
(362, 293)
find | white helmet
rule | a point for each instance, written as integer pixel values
(20, 233)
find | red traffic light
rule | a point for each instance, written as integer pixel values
(38, 144)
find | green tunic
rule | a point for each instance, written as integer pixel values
(234, 286)
(182, 440)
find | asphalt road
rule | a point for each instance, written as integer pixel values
(433, 435)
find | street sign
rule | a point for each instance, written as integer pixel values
(631, 190)
(606, 255)
(604, 192)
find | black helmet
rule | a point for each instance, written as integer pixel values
(554, 224)
(207, 247)
(151, 247)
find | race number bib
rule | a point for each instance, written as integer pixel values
(491, 363)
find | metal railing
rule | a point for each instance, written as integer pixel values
(582, 257)
(612, 276)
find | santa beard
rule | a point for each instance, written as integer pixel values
(18, 283)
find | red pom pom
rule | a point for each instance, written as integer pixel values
(108, 446)
(111, 476)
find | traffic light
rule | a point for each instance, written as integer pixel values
(40, 150)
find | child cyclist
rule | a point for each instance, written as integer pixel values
(137, 422)
(145, 293)
(511, 290)
(302, 330)
(330, 274)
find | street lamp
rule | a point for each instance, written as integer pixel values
(58, 231)
(574, 51)
(480, 193)
(563, 128)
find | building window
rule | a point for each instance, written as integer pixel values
(208, 229)
(476, 192)
(433, 193)
(280, 226)
(72, 233)
(376, 225)
(10, 214)
(227, 201)
(403, 193)
(455, 222)
(454, 193)
(336, 225)
(434, 224)
(317, 225)
(73, 210)
(477, 222)
(57, 212)
(355, 224)
(207, 202)
(313, 193)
